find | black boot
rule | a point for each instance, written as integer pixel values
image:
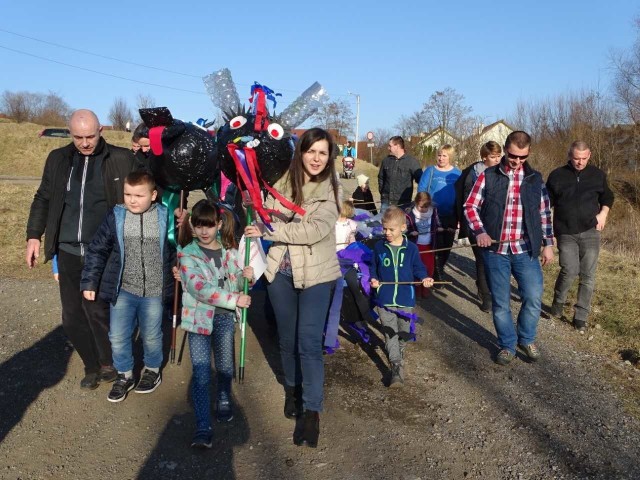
(292, 401)
(485, 306)
(307, 429)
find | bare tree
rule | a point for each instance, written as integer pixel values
(446, 109)
(337, 115)
(627, 78)
(18, 105)
(144, 100)
(414, 124)
(51, 109)
(119, 114)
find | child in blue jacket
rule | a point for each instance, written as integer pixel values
(128, 264)
(396, 260)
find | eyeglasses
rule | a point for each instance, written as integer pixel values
(517, 157)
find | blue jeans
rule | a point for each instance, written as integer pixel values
(131, 310)
(301, 315)
(200, 352)
(578, 258)
(528, 275)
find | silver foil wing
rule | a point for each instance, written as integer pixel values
(222, 90)
(303, 107)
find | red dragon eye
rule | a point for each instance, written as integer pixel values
(237, 122)
(275, 131)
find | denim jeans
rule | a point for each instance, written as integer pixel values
(528, 274)
(131, 310)
(301, 315)
(578, 257)
(200, 351)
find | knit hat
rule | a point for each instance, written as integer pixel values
(362, 180)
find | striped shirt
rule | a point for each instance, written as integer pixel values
(513, 237)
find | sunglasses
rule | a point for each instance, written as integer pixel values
(517, 157)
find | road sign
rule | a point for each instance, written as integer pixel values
(371, 145)
(369, 135)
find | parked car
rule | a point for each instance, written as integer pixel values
(55, 132)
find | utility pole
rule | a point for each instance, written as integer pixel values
(357, 118)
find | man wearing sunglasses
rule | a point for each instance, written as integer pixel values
(508, 211)
(581, 199)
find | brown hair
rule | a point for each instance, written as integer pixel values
(397, 140)
(490, 148)
(296, 169)
(206, 213)
(394, 214)
(519, 138)
(141, 177)
(423, 199)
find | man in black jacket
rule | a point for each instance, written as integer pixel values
(81, 181)
(581, 199)
(396, 175)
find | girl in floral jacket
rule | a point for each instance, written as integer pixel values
(212, 280)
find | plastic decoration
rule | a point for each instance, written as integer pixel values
(304, 106)
(222, 90)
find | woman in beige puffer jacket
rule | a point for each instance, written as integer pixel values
(302, 268)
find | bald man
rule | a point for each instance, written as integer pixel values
(81, 181)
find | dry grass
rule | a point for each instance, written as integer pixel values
(23, 153)
(14, 211)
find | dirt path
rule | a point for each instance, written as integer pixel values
(459, 415)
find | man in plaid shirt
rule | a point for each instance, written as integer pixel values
(509, 212)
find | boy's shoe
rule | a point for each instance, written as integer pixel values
(149, 381)
(202, 439)
(396, 376)
(224, 411)
(504, 357)
(107, 374)
(121, 387)
(531, 351)
(89, 382)
(580, 325)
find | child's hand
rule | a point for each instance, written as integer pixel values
(243, 301)
(89, 295)
(374, 283)
(414, 234)
(56, 277)
(252, 231)
(176, 273)
(439, 229)
(181, 216)
(427, 282)
(247, 272)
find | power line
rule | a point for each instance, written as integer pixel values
(102, 73)
(200, 77)
(99, 55)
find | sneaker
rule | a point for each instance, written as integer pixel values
(121, 387)
(580, 325)
(396, 376)
(89, 382)
(224, 411)
(149, 381)
(202, 439)
(107, 374)
(504, 357)
(531, 351)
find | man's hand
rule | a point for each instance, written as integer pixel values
(547, 255)
(33, 252)
(602, 220)
(484, 240)
(374, 283)
(89, 295)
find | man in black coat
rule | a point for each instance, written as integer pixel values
(396, 175)
(81, 181)
(581, 199)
